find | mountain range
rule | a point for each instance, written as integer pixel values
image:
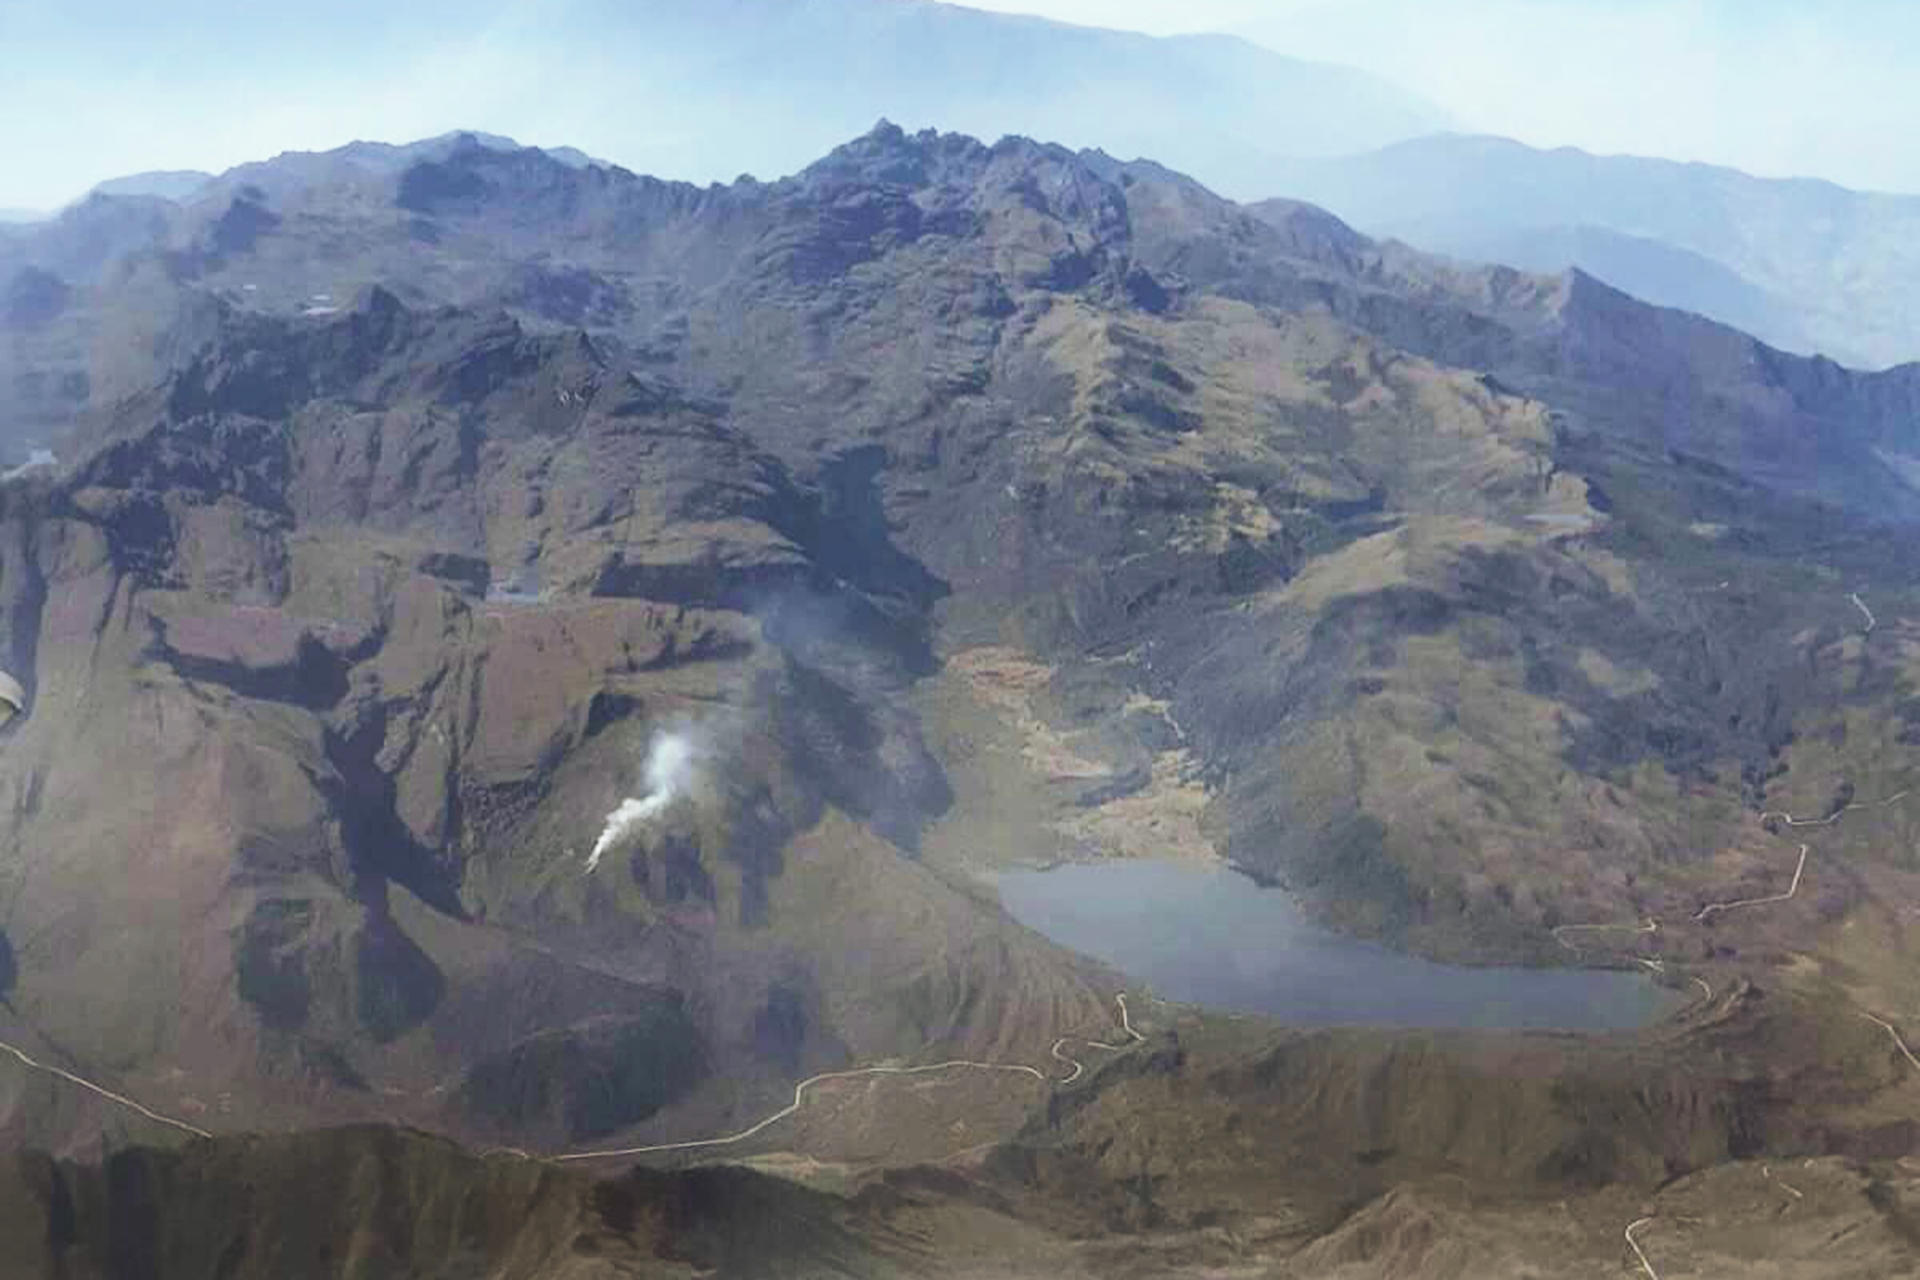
(1806, 265)
(707, 92)
(166, 184)
(953, 506)
(710, 84)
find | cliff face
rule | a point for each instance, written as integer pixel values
(371, 1202)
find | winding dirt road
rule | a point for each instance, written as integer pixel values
(1652, 925)
(1634, 1245)
(1079, 1068)
(1798, 870)
(1791, 821)
(1899, 1043)
(799, 1096)
(118, 1099)
(1559, 934)
(1862, 606)
(1766, 1171)
(800, 1090)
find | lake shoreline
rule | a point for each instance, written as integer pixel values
(1209, 935)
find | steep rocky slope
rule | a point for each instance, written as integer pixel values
(340, 646)
(367, 1202)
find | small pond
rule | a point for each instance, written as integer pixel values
(1205, 934)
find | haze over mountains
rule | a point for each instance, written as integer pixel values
(707, 92)
(1809, 267)
(1209, 104)
(1806, 265)
(983, 503)
(167, 184)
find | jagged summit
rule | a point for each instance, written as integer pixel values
(478, 225)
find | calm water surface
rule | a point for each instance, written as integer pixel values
(1205, 934)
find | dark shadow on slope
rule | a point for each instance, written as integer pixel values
(270, 970)
(858, 752)
(378, 842)
(735, 1222)
(24, 615)
(316, 678)
(134, 1216)
(872, 594)
(586, 1081)
(396, 985)
(33, 299)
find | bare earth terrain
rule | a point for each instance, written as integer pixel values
(951, 508)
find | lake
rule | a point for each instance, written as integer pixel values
(1201, 933)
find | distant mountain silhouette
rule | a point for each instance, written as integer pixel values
(707, 89)
(1806, 265)
(167, 184)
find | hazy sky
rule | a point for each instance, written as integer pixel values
(1821, 88)
(94, 88)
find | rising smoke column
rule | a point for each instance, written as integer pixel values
(673, 762)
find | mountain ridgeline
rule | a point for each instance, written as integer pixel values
(954, 505)
(1805, 265)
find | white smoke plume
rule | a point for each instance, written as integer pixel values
(673, 764)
